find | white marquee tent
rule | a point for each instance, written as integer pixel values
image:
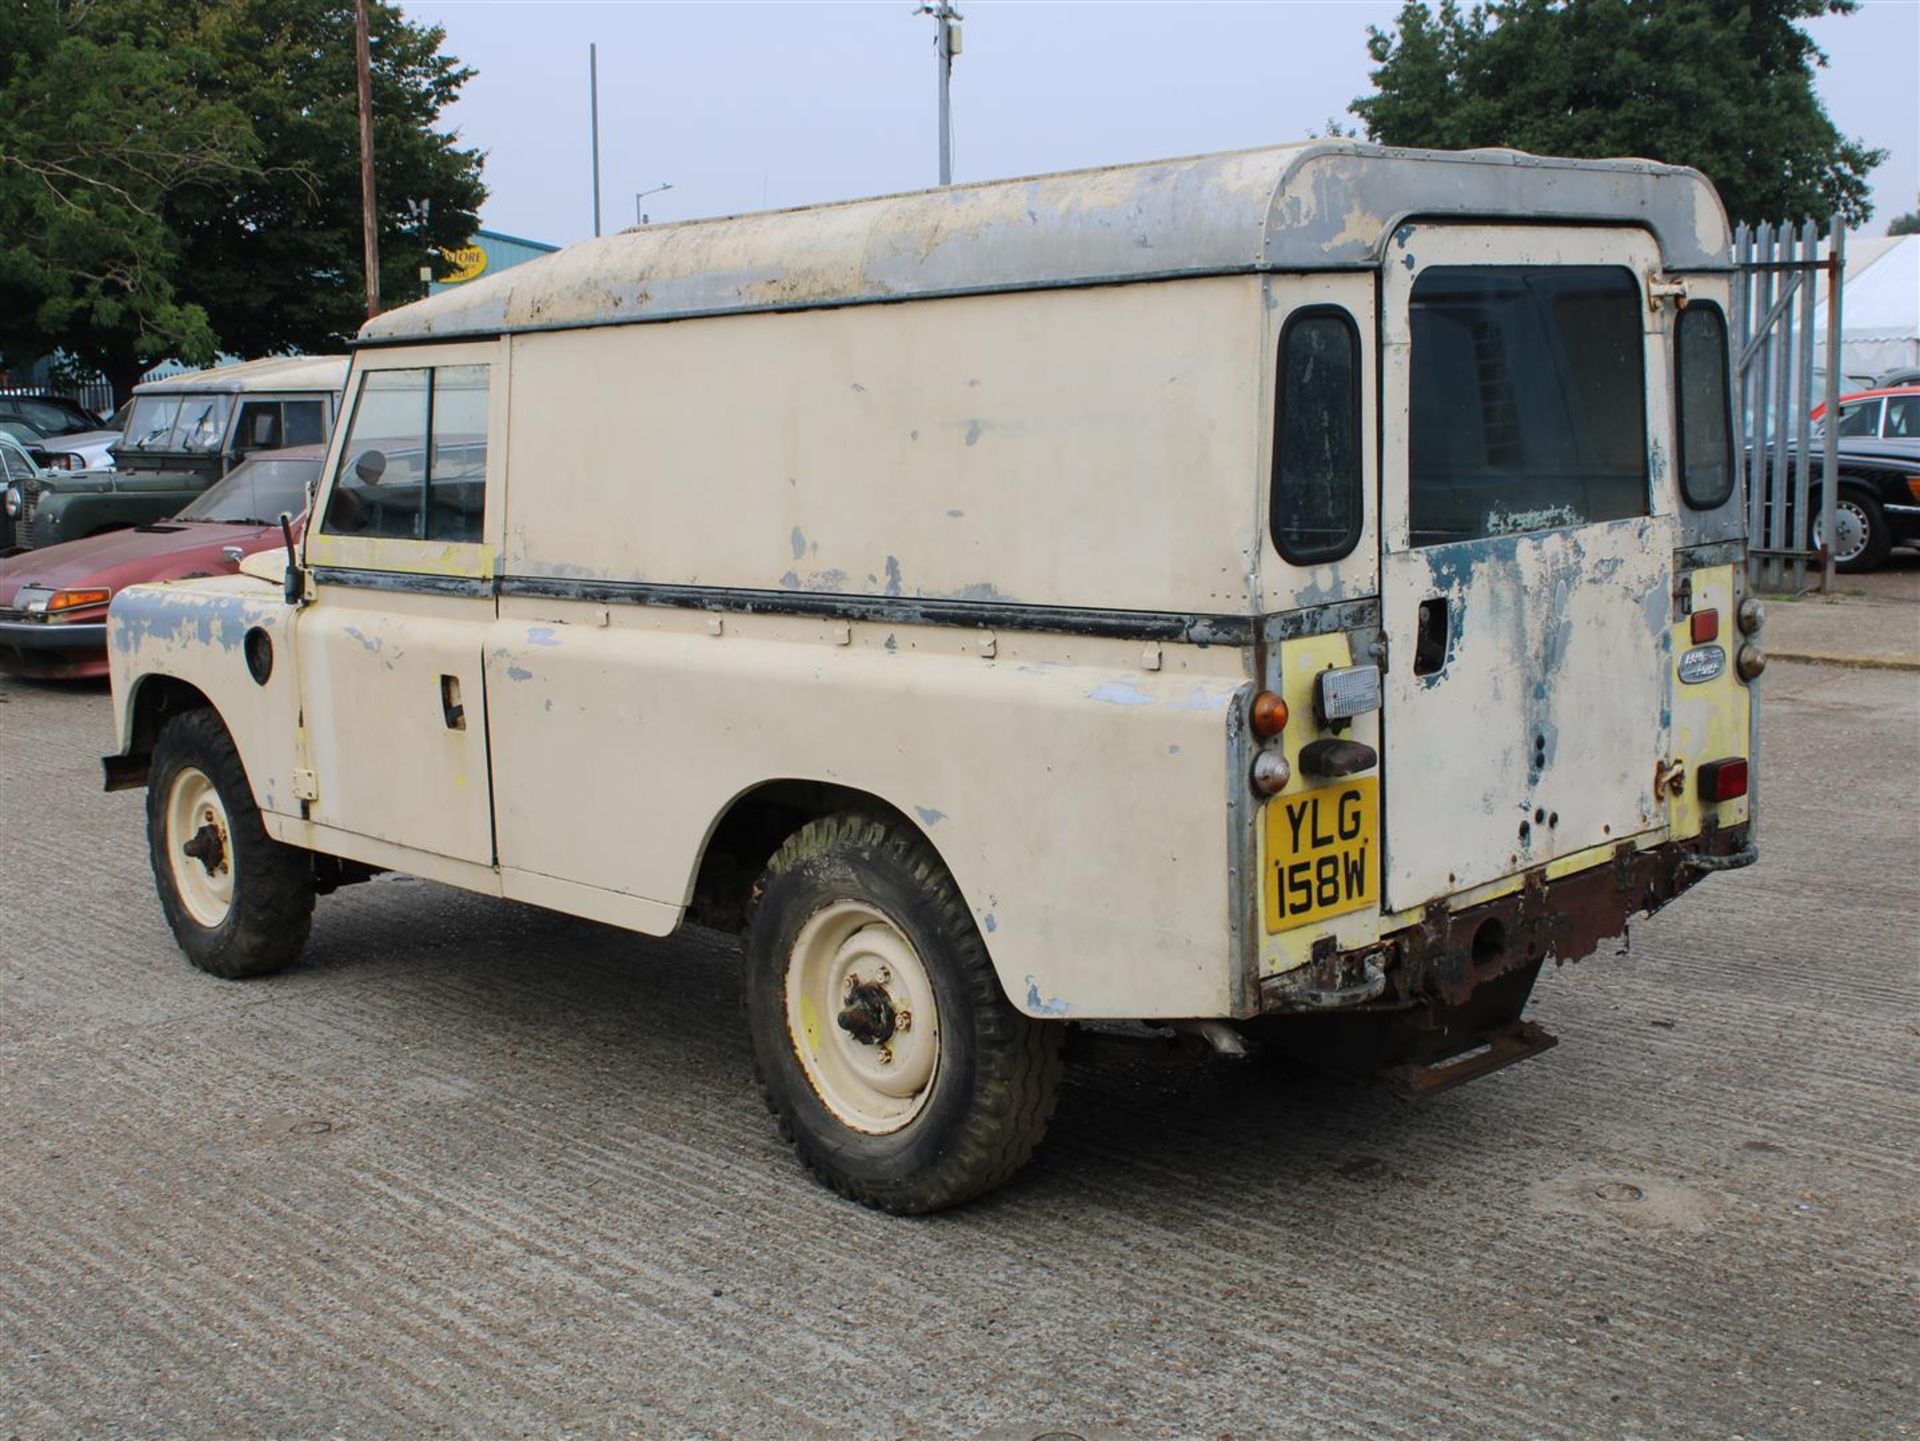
(1879, 310)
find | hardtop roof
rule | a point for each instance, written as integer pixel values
(1314, 205)
(276, 372)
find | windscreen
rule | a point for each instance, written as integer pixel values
(1529, 407)
(260, 491)
(194, 424)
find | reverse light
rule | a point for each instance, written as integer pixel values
(1271, 773)
(1722, 780)
(1706, 626)
(1269, 715)
(76, 599)
(1751, 615)
(1750, 662)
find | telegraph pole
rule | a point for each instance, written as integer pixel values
(593, 103)
(947, 44)
(369, 213)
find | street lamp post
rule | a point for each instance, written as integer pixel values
(947, 43)
(639, 216)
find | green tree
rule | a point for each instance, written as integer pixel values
(1725, 86)
(207, 151)
(1908, 224)
(97, 133)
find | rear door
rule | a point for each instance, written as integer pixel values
(1527, 530)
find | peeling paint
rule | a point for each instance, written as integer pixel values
(1051, 1006)
(1119, 692)
(929, 815)
(542, 635)
(515, 672)
(799, 542)
(893, 575)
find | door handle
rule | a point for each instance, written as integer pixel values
(450, 707)
(1430, 636)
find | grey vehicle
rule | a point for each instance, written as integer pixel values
(182, 434)
(17, 467)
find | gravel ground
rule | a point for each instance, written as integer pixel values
(479, 1170)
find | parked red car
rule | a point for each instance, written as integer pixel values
(53, 602)
(1890, 413)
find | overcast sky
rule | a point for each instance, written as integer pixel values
(742, 106)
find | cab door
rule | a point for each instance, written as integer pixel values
(1527, 544)
(401, 558)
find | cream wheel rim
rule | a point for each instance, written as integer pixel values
(199, 847)
(862, 1018)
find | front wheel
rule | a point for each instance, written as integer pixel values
(240, 903)
(881, 1039)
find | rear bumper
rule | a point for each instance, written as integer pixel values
(1446, 984)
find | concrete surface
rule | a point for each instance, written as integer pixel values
(1870, 620)
(483, 1171)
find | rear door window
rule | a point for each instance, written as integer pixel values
(1860, 418)
(1903, 417)
(1529, 407)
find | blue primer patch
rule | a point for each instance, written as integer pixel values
(931, 816)
(367, 642)
(1119, 692)
(174, 618)
(515, 672)
(542, 635)
(893, 575)
(973, 431)
(1053, 1006)
(798, 540)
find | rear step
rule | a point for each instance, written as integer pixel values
(1499, 1047)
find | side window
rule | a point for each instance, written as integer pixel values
(259, 427)
(1860, 418)
(1315, 504)
(1704, 423)
(1903, 417)
(415, 462)
(305, 422)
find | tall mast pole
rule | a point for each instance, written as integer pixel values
(946, 46)
(369, 212)
(593, 101)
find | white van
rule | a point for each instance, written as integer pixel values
(1286, 595)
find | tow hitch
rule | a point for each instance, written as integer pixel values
(1493, 1049)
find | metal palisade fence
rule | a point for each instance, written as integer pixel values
(1776, 270)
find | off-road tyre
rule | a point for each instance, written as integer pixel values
(997, 1074)
(271, 910)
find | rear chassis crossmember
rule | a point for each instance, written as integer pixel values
(1438, 1003)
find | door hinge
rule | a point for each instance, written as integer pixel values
(1665, 287)
(305, 787)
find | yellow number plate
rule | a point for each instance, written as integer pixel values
(1323, 853)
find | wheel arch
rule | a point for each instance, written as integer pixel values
(753, 825)
(155, 700)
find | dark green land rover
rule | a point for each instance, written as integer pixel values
(182, 434)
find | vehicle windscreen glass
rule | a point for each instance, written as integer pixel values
(202, 423)
(49, 419)
(259, 490)
(150, 422)
(1705, 423)
(1529, 408)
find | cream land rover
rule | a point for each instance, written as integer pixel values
(1286, 596)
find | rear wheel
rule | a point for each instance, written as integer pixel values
(240, 903)
(1861, 538)
(882, 1042)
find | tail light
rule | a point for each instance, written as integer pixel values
(1269, 715)
(1723, 780)
(1751, 615)
(1706, 626)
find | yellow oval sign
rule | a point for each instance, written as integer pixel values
(467, 262)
